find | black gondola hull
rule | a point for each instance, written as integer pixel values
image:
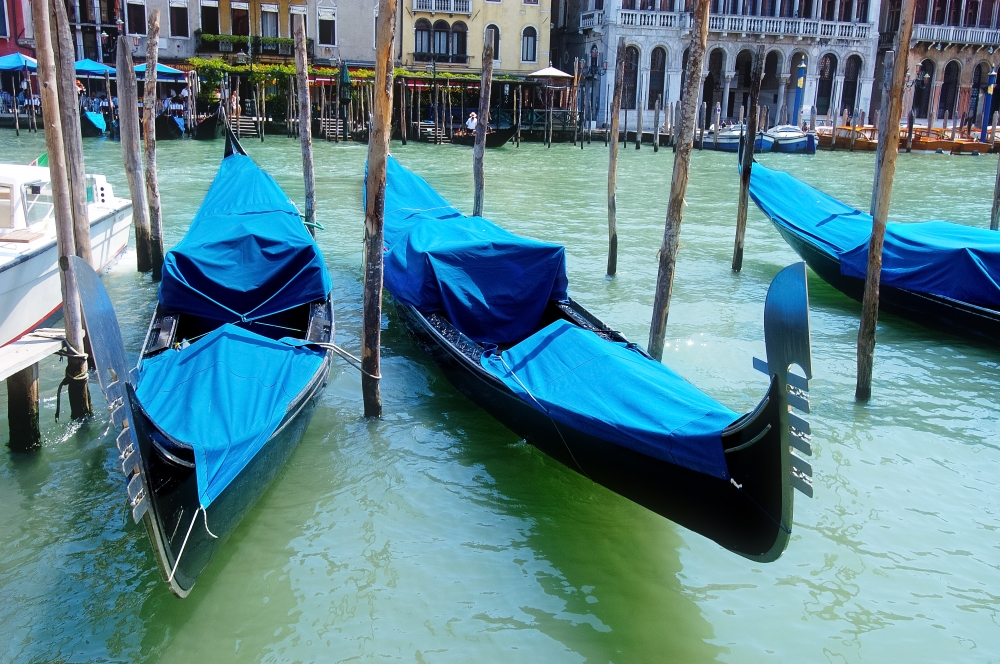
(88, 129)
(210, 129)
(749, 521)
(934, 311)
(496, 139)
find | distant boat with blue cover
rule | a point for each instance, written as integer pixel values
(493, 310)
(236, 355)
(936, 273)
(730, 137)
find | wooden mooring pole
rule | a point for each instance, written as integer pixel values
(64, 51)
(149, 126)
(378, 151)
(656, 125)
(888, 148)
(995, 211)
(750, 141)
(305, 124)
(716, 126)
(883, 116)
(479, 148)
(616, 104)
(76, 364)
(22, 410)
(128, 124)
(679, 179)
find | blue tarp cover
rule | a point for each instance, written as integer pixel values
(97, 119)
(935, 257)
(17, 62)
(89, 67)
(616, 394)
(246, 255)
(491, 284)
(211, 397)
(163, 73)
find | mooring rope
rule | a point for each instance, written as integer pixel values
(350, 359)
(177, 560)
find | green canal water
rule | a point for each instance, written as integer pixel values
(435, 535)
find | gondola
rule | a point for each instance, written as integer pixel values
(211, 128)
(935, 273)
(494, 139)
(236, 354)
(169, 128)
(492, 310)
(92, 125)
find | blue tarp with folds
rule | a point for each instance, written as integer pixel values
(211, 397)
(491, 284)
(615, 393)
(246, 255)
(935, 257)
(97, 119)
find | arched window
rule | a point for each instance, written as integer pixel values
(496, 40)
(657, 73)
(459, 43)
(979, 79)
(852, 71)
(631, 77)
(529, 45)
(949, 89)
(922, 89)
(827, 69)
(440, 40)
(422, 40)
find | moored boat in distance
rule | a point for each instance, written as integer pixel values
(865, 137)
(236, 354)
(494, 139)
(29, 260)
(550, 371)
(92, 125)
(730, 137)
(935, 273)
(789, 138)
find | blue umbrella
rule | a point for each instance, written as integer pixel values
(163, 73)
(88, 67)
(988, 104)
(16, 62)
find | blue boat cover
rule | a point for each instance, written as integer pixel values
(934, 257)
(209, 396)
(492, 285)
(247, 254)
(163, 73)
(97, 119)
(643, 405)
(88, 67)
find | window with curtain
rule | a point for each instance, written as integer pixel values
(529, 45)
(179, 19)
(459, 41)
(301, 10)
(240, 21)
(440, 38)
(496, 40)
(422, 36)
(135, 14)
(4, 32)
(269, 21)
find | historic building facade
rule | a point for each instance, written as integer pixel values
(448, 35)
(836, 39)
(954, 47)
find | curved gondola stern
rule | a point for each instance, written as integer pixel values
(788, 342)
(232, 143)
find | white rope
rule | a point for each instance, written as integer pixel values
(177, 561)
(354, 361)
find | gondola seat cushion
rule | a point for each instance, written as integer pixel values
(225, 395)
(247, 254)
(613, 392)
(492, 285)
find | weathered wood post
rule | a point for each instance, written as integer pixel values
(22, 409)
(679, 180)
(76, 364)
(854, 129)
(888, 65)
(701, 125)
(995, 211)
(378, 151)
(616, 104)
(479, 148)
(551, 109)
(64, 50)
(910, 121)
(638, 121)
(717, 125)
(520, 107)
(993, 129)
(889, 149)
(305, 124)
(954, 126)
(747, 164)
(656, 124)
(812, 119)
(31, 101)
(402, 110)
(336, 109)
(128, 122)
(149, 104)
(17, 121)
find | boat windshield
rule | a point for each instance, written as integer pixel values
(37, 201)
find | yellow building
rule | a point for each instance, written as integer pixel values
(451, 33)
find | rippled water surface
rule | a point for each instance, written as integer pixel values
(435, 535)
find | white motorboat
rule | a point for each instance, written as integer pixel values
(29, 261)
(789, 138)
(729, 139)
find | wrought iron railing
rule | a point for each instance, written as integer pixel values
(445, 6)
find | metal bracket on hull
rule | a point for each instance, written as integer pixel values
(787, 339)
(113, 373)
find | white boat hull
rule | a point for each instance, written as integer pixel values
(30, 291)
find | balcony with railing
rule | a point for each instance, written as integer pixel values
(443, 6)
(441, 58)
(591, 20)
(789, 27)
(953, 34)
(651, 19)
